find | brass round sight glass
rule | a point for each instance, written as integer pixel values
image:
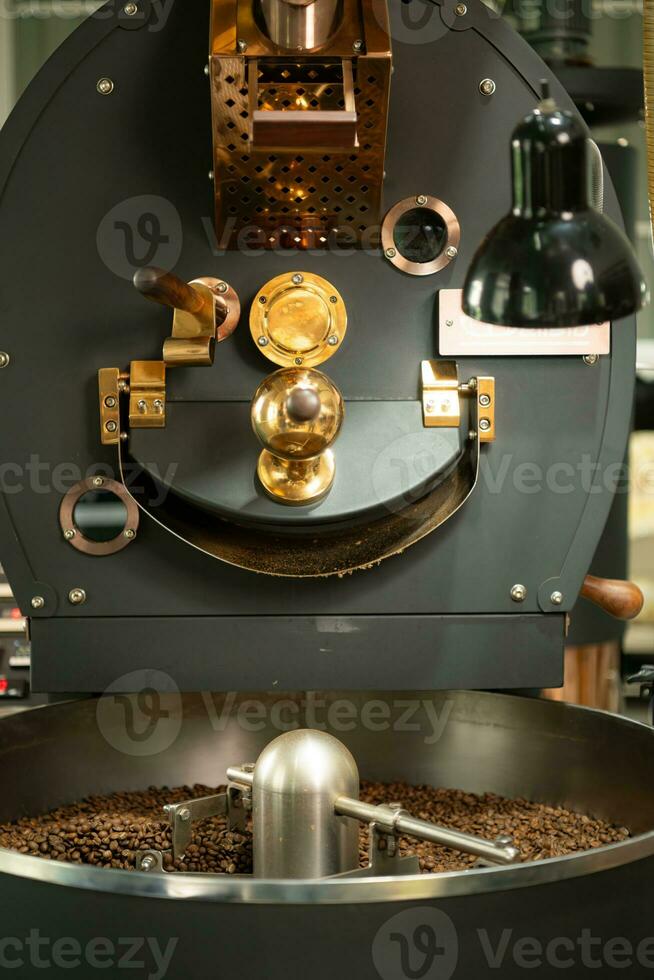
(420, 235)
(296, 415)
(298, 319)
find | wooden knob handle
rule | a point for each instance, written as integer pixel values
(618, 598)
(168, 289)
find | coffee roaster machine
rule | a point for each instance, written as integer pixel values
(301, 469)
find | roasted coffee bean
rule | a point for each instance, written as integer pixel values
(106, 831)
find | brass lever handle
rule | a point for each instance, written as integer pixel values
(169, 290)
(617, 597)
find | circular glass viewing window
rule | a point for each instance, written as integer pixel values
(420, 235)
(98, 516)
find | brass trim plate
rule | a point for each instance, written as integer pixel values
(67, 517)
(440, 394)
(450, 245)
(298, 319)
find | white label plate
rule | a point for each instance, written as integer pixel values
(460, 335)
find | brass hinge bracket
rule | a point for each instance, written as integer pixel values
(147, 395)
(441, 393)
(108, 393)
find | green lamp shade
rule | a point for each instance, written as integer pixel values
(553, 261)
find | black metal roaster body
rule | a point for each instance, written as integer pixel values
(442, 533)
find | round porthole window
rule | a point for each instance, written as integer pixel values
(420, 235)
(98, 516)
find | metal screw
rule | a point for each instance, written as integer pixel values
(262, 299)
(222, 287)
(556, 598)
(484, 400)
(98, 481)
(333, 340)
(451, 252)
(158, 405)
(147, 863)
(210, 175)
(129, 532)
(4, 359)
(184, 814)
(449, 323)
(390, 253)
(206, 69)
(248, 767)
(429, 406)
(142, 405)
(110, 401)
(38, 602)
(77, 596)
(591, 358)
(130, 9)
(518, 593)
(69, 534)
(105, 86)
(297, 279)
(484, 425)
(460, 10)
(122, 385)
(472, 384)
(357, 46)
(487, 86)
(421, 199)
(242, 46)
(298, 360)
(111, 425)
(333, 299)
(263, 341)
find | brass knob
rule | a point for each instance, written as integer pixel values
(296, 415)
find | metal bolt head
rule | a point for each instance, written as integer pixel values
(129, 532)
(263, 299)
(37, 602)
(333, 340)
(98, 481)
(460, 10)
(142, 405)
(451, 252)
(358, 45)
(184, 814)
(263, 341)
(110, 401)
(158, 405)
(206, 69)
(297, 279)
(211, 175)
(556, 598)
(518, 593)
(4, 359)
(484, 425)
(111, 425)
(390, 253)
(484, 400)
(242, 45)
(222, 287)
(122, 385)
(77, 596)
(421, 200)
(333, 299)
(105, 86)
(449, 323)
(298, 361)
(487, 86)
(147, 863)
(591, 358)
(430, 405)
(130, 8)
(69, 533)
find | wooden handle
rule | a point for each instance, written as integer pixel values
(618, 598)
(168, 289)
